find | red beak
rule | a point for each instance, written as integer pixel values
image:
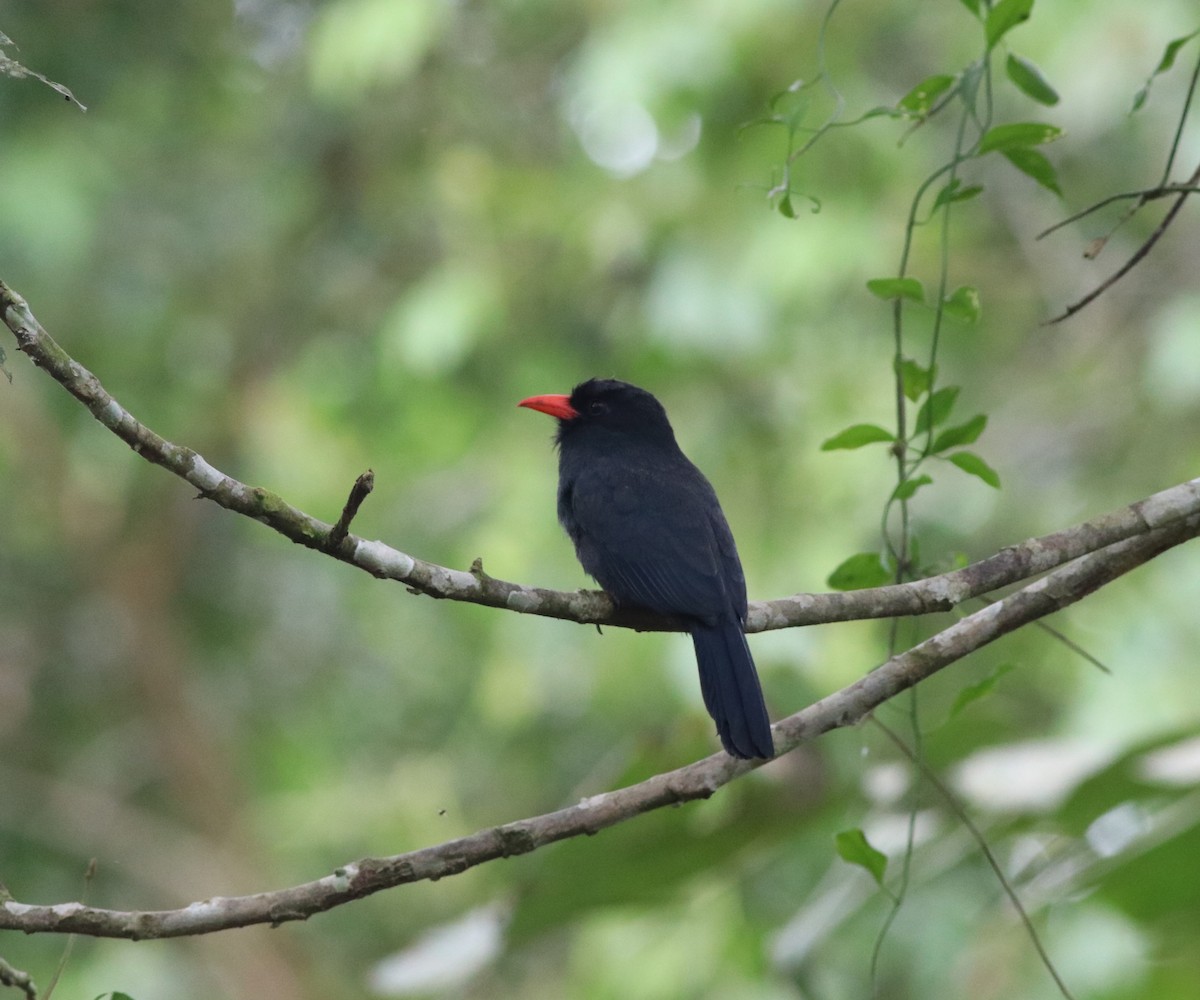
(554, 404)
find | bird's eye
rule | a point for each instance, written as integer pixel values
(597, 409)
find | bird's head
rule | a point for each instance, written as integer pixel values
(605, 408)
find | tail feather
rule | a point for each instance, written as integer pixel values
(732, 695)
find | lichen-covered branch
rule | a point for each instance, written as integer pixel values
(18, 980)
(10, 67)
(938, 593)
(1058, 589)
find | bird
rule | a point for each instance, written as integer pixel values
(647, 526)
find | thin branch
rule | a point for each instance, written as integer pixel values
(10, 67)
(18, 980)
(933, 594)
(1136, 258)
(965, 819)
(1163, 189)
(362, 488)
(88, 875)
(1183, 117)
(1074, 647)
(1061, 637)
(1144, 197)
(1062, 587)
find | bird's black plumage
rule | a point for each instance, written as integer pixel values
(647, 525)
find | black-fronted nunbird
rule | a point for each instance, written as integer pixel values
(647, 525)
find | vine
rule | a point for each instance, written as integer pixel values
(923, 433)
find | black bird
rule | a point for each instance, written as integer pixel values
(647, 525)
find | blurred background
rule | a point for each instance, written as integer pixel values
(310, 238)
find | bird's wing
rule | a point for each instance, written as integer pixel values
(732, 574)
(657, 539)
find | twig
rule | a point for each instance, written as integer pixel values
(10, 67)
(1163, 189)
(1136, 258)
(18, 980)
(362, 488)
(1060, 636)
(964, 818)
(88, 875)
(1075, 648)
(1183, 117)
(1144, 197)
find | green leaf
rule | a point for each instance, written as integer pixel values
(915, 380)
(1033, 164)
(857, 436)
(953, 437)
(980, 689)
(897, 288)
(971, 5)
(853, 847)
(919, 101)
(971, 463)
(936, 408)
(963, 304)
(1164, 64)
(117, 995)
(954, 191)
(787, 204)
(1029, 80)
(863, 570)
(906, 489)
(1005, 16)
(1018, 135)
(1172, 50)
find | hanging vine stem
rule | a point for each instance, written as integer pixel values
(905, 468)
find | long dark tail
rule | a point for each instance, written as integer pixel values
(731, 690)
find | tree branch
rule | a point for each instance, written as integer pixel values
(1143, 197)
(18, 979)
(1135, 258)
(933, 594)
(362, 488)
(1057, 590)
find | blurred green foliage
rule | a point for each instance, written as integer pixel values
(307, 238)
